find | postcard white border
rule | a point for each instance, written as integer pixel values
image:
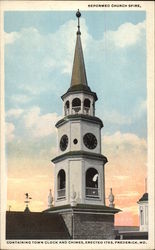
(147, 6)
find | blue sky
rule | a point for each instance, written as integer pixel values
(39, 50)
(116, 70)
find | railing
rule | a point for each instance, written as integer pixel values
(92, 192)
(66, 111)
(76, 109)
(86, 110)
(61, 193)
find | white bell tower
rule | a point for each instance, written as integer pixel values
(79, 166)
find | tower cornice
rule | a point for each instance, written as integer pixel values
(82, 117)
(79, 89)
(85, 208)
(80, 154)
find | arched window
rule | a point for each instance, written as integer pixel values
(87, 103)
(92, 190)
(76, 102)
(61, 184)
(67, 108)
(86, 106)
(76, 105)
(67, 105)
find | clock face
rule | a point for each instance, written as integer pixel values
(63, 142)
(90, 141)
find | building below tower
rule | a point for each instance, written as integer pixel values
(87, 221)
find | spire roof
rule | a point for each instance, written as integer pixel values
(78, 72)
(79, 78)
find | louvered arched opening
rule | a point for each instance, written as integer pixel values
(76, 105)
(61, 180)
(92, 183)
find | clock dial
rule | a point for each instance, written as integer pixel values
(63, 142)
(90, 141)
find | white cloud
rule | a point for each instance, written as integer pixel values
(126, 35)
(126, 150)
(17, 181)
(10, 128)
(14, 112)
(128, 194)
(140, 109)
(11, 37)
(41, 176)
(114, 117)
(131, 209)
(119, 138)
(64, 44)
(31, 117)
(20, 98)
(31, 89)
(43, 54)
(53, 151)
(121, 177)
(40, 125)
(51, 51)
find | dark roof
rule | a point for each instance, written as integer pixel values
(35, 225)
(80, 153)
(132, 235)
(85, 207)
(78, 71)
(127, 228)
(80, 89)
(144, 197)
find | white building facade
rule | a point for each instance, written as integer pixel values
(143, 213)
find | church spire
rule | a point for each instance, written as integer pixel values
(78, 71)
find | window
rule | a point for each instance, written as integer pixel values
(141, 216)
(76, 102)
(87, 103)
(76, 105)
(86, 106)
(61, 184)
(67, 104)
(92, 190)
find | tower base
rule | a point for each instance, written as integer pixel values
(88, 221)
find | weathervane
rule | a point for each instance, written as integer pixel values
(78, 14)
(27, 201)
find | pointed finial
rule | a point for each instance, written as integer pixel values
(50, 199)
(73, 197)
(111, 199)
(78, 14)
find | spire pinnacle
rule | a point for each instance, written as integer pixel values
(78, 14)
(78, 71)
(145, 185)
